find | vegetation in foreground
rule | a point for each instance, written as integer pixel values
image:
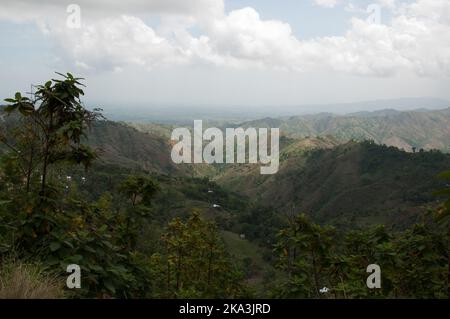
(139, 235)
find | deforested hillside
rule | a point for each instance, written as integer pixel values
(405, 130)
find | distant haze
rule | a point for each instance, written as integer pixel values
(186, 114)
(235, 56)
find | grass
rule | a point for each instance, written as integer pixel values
(19, 280)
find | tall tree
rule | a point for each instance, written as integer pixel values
(53, 124)
(304, 249)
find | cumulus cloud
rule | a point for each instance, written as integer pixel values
(115, 42)
(243, 38)
(391, 4)
(115, 34)
(326, 3)
(29, 9)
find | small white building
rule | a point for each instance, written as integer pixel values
(324, 290)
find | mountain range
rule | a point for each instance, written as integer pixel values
(407, 130)
(356, 169)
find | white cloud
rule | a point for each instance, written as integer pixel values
(390, 4)
(114, 36)
(326, 3)
(352, 8)
(116, 42)
(29, 9)
(242, 38)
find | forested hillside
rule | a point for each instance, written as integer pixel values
(350, 184)
(122, 145)
(77, 189)
(353, 183)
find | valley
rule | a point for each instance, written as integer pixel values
(345, 181)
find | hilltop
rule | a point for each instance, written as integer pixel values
(356, 183)
(341, 183)
(405, 130)
(344, 183)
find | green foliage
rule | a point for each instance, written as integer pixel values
(139, 189)
(39, 218)
(50, 128)
(303, 249)
(443, 218)
(413, 263)
(443, 213)
(194, 263)
(422, 264)
(350, 185)
(65, 229)
(134, 236)
(260, 224)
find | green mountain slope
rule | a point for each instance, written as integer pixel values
(405, 130)
(349, 184)
(122, 145)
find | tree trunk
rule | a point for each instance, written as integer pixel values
(46, 155)
(44, 172)
(30, 170)
(316, 279)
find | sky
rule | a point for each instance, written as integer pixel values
(223, 53)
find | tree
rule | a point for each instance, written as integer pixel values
(443, 218)
(45, 131)
(139, 190)
(195, 264)
(413, 262)
(304, 250)
(361, 248)
(422, 263)
(52, 124)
